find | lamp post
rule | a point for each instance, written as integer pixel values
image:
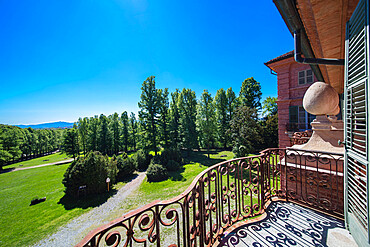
(107, 180)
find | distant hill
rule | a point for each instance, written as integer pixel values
(59, 124)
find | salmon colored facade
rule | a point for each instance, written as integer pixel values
(293, 81)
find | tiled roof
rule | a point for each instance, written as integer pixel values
(281, 57)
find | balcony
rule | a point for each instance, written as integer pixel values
(225, 205)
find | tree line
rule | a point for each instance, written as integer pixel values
(17, 143)
(179, 120)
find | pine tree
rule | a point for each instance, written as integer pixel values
(124, 120)
(164, 116)
(187, 106)
(116, 133)
(221, 116)
(83, 131)
(174, 125)
(104, 135)
(206, 119)
(149, 110)
(250, 94)
(133, 130)
(93, 133)
(70, 143)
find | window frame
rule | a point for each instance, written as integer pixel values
(305, 77)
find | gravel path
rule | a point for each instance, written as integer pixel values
(78, 228)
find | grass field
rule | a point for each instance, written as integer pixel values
(39, 161)
(22, 225)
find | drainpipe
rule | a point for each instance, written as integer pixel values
(290, 15)
(298, 54)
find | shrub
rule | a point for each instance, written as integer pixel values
(91, 171)
(142, 160)
(126, 167)
(171, 154)
(157, 160)
(156, 173)
(172, 165)
(124, 155)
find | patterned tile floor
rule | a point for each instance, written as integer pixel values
(289, 224)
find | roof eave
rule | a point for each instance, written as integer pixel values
(292, 19)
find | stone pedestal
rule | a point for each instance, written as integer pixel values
(314, 170)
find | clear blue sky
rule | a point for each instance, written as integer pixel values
(61, 60)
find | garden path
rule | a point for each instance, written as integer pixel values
(31, 167)
(77, 229)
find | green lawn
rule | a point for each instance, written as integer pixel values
(178, 181)
(22, 224)
(39, 161)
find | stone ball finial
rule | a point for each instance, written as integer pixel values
(321, 99)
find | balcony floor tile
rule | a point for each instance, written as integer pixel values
(289, 224)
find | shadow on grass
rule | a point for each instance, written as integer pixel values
(84, 202)
(6, 170)
(201, 157)
(176, 175)
(127, 179)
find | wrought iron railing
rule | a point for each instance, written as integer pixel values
(222, 195)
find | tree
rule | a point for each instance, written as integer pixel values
(250, 93)
(231, 103)
(70, 143)
(116, 133)
(221, 117)
(164, 116)
(93, 133)
(269, 123)
(245, 131)
(92, 171)
(104, 135)
(149, 110)
(83, 132)
(269, 106)
(206, 119)
(133, 130)
(174, 125)
(124, 120)
(187, 106)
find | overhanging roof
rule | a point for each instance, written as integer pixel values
(323, 32)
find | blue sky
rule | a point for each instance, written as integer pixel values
(61, 60)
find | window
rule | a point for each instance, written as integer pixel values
(305, 77)
(299, 119)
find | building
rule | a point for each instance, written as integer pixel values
(293, 81)
(333, 37)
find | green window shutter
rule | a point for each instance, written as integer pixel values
(356, 123)
(293, 114)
